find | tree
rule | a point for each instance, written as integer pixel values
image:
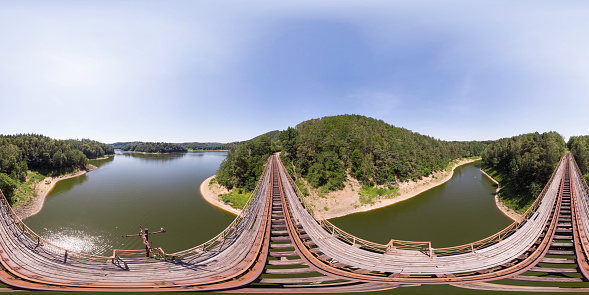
(7, 185)
(289, 139)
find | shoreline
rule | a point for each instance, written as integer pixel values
(42, 189)
(346, 202)
(211, 195)
(508, 212)
(349, 195)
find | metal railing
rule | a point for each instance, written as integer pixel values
(425, 247)
(118, 253)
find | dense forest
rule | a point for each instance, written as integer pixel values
(245, 163)
(579, 146)
(215, 146)
(21, 153)
(523, 164)
(154, 147)
(206, 146)
(323, 150)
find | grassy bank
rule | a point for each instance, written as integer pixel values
(518, 205)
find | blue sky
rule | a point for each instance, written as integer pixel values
(230, 70)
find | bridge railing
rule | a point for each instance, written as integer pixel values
(353, 240)
(117, 253)
(225, 233)
(506, 232)
(40, 241)
(425, 247)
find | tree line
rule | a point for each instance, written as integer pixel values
(23, 152)
(523, 164)
(323, 150)
(374, 152)
(154, 147)
(245, 163)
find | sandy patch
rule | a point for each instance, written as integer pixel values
(42, 188)
(347, 201)
(211, 191)
(508, 212)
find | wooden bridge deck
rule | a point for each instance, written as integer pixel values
(419, 262)
(277, 230)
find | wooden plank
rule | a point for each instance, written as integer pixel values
(289, 271)
(553, 270)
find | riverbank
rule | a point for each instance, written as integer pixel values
(211, 191)
(42, 189)
(346, 201)
(508, 212)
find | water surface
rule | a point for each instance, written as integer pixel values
(91, 212)
(457, 212)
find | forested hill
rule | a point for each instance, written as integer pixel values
(322, 150)
(20, 153)
(523, 164)
(154, 147)
(206, 146)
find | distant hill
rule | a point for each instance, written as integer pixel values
(154, 147)
(208, 146)
(323, 150)
(214, 146)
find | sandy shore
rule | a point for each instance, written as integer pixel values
(508, 212)
(211, 192)
(346, 201)
(43, 188)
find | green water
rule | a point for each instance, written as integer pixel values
(90, 213)
(457, 212)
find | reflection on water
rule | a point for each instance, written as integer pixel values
(457, 212)
(151, 157)
(93, 211)
(78, 240)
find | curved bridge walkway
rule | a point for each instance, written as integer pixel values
(277, 244)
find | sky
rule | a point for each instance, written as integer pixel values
(222, 71)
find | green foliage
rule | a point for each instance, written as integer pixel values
(586, 177)
(579, 147)
(302, 187)
(525, 164)
(244, 165)
(91, 149)
(23, 152)
(369, 194)
(289, 139)
(26, 189)
(154, 147)
(372, 150)
(7, 186)
(236, 199)
(18, 153)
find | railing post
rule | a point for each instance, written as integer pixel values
(431, 251)
(65, 257)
